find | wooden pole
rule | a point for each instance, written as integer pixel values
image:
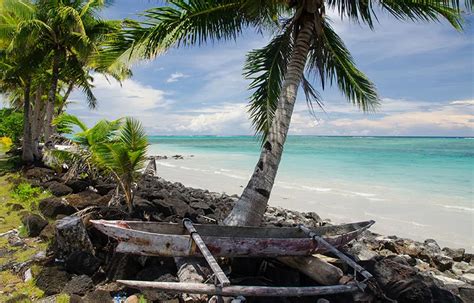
(335, 251)
(236, 290)
(220, 275)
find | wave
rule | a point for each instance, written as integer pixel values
(165, 164)
(417, 224)
(456, 207)
(217, 172)
(193, 169)
(318, 189)
(367, 195)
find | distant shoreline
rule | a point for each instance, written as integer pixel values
(442, 220)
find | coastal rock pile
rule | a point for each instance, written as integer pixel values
(404, 270)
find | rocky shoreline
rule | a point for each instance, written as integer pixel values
(404, 270)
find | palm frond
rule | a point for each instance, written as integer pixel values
(365, 11)
(133, 135)
(70, 121)
(266, 68)
(332, 61)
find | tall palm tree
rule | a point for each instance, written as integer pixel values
(305, 43)
(68, 37)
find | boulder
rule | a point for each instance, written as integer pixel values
(71, 236)
(467, 293)
(82, 263)
(469, 278)
(201, 205)
(48, 232)
(163, 207)
(34, 224)
(361, 252)
(449, 282)
(58, 189)
(97, 296)
(401, 282)
(77, 185)
(104, 188)
(455, 254)
(40, 174)
(78, 285)
(83, 199)
(52, 280)
(443, 263)
(51, 207)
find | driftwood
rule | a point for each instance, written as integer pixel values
(236, 290)
(315, 268)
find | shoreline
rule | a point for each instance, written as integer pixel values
(354, 202)
(425, 269)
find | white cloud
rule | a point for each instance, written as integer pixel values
(462, 102)
(174, 77)
(226, 118)
(130, 98)
(396, 117)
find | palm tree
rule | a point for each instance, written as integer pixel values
(117, 147)
(67, 37)
(125, 156)
(305, 44)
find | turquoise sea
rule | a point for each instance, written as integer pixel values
(389, 177)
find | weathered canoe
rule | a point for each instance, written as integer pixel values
(172, 240)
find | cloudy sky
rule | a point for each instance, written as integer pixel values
(423, 72)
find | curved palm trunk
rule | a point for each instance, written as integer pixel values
(27, 146)
(48, 128)
(250, 208)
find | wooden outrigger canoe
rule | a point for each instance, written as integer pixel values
(173, 240)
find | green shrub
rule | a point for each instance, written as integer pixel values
(24, 192)
(11, 124)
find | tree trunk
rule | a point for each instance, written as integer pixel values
(27, 146)
(65, 97)
(36, 124)
(48, 128)
(250, 208)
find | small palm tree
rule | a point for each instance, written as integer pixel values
(125, 156)
(305, 45)
(116, 147)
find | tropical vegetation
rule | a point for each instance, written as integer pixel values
(116, 148)
(305, 50)
(11, 124)
(61, 43)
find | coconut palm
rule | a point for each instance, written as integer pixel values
(304, 44)
(125, 156)
(117, 147)
(67, 37)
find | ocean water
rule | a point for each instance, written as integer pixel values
(420, 186)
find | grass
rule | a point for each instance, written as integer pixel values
(12, 287)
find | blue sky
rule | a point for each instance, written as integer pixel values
(423, 72)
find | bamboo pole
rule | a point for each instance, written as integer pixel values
(236, 290)
(220, 275)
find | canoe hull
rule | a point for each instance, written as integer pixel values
(240, 245)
